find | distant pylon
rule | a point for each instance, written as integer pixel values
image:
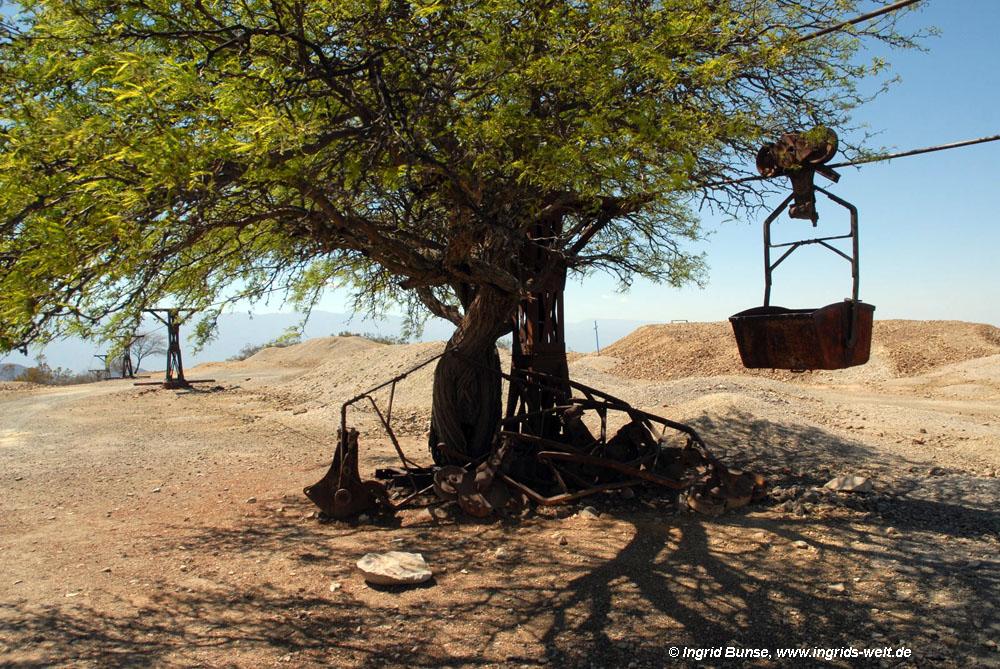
(175, 369)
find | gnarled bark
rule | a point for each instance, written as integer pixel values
(467, 401)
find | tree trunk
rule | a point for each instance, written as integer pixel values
(466, 398)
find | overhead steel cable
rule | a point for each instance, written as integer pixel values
(859, 161)
(916, 152)
(858, 19)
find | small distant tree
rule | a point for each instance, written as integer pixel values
(291, 337)
(245, 352)
(41, 373)
(145, 345)
(167, 151)
(44, 374)
(376, 337)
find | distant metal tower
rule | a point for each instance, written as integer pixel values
(175, 368)
(106, 371)
(128, 372)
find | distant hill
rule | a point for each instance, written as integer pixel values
(900, 348)
(239, 329)
(9, 371)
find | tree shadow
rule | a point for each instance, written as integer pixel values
(621, 590)
(783, 448)
(213, 619)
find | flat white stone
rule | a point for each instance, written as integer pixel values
(850, 484)
(394, 568)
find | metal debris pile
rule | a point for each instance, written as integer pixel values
(544, 457)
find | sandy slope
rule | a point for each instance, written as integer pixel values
(899, 349)
(168, 528)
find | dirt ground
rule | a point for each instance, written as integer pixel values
(168, 528)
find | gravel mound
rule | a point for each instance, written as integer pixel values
(655, 366)
(341, 377)
(313, 352)
(900, 348)
(915, 347)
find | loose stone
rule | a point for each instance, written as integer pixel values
(850, 484)
(394, 568)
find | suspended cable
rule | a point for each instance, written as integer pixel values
(858, 19)
(728, 182)
(916, 152)
(863, 161)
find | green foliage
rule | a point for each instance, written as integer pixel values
(247, 351)
(44, 374)
(375, 337)
(194, 153)
(290, 338)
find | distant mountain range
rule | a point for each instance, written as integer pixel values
(10, 371)
(239, 329)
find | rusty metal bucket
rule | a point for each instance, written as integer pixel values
(836, 336)
(833, 337)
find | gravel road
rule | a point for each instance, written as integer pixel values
(168, 528)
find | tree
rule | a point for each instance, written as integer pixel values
(417, 152)
(43, 374)
(138, 347)
(145, 345)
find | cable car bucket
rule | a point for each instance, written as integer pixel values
(836, 336)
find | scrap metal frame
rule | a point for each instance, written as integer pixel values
(792, 246)
(487, 485)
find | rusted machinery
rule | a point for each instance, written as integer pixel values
(341, 493)
(526, 467)
(832, 337)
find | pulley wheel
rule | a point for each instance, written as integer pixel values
(445, 480)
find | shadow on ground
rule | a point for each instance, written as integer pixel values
(624, 589)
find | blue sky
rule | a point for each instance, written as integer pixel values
(930, 243)
(930, 240)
